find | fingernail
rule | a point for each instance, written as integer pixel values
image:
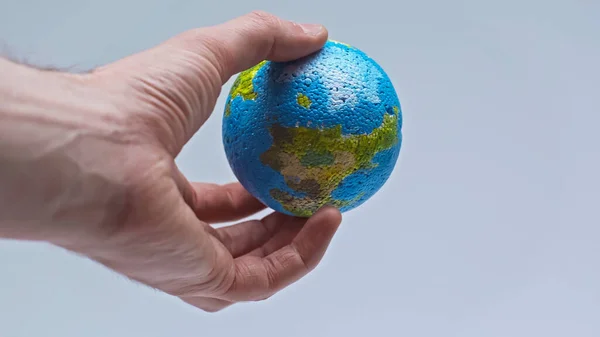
(311, 28)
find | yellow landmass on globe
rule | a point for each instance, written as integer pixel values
(342, 43)
(303, 100)
(243, 86)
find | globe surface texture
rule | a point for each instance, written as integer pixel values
(321, 130)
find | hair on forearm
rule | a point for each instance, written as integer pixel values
(7, 55)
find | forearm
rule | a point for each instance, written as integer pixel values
(48, 184)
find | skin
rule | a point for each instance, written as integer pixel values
(87, 164)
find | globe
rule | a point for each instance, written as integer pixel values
(321, 130)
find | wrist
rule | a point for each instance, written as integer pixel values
(53, 128)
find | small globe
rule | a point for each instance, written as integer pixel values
(321, 130)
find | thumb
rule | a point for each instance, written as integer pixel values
(241, 43)
(183, 76)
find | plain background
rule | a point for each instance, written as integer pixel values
(488, 226)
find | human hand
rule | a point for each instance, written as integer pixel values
(130, 208)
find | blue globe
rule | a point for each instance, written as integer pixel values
(321, 130)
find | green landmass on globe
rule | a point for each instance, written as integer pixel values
(315, 160)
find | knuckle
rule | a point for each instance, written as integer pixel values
(263, 297)
(264, 18)
(200, 41)
(212, 283)
(302, 261)
(223, 282)
(217, 53)
(212, 309)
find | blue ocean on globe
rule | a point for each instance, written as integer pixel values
(321, 130)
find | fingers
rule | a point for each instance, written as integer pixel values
(312, 242)
(241, 43)
(244, 237)
(283, 237)
(258, 278)
(214, 203)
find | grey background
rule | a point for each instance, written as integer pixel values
(488, 226)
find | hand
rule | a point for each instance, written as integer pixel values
(113, 191)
